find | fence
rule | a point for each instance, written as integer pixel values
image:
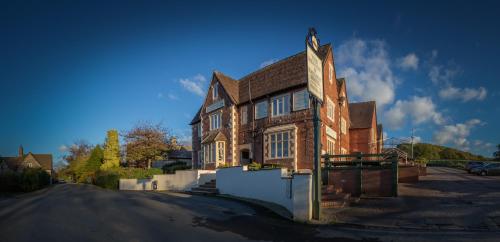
(362, 174)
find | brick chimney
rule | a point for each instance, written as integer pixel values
(21, 151)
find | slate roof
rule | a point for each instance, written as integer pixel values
(361, 114)
(214, 136)
(180, 154)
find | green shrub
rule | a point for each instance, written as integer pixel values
(224, 166)
(254, 166)
(107, 179)
(172, 167)
(30, 179)
(271, 166)
(9, 182)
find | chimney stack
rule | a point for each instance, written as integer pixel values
(21, 151)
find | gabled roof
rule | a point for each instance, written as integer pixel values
(196, 117)
(45, 160)
(361, 114)
(214, 136)
(286, 73)
(229, 84)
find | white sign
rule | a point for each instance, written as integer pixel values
(314, 74)
(215, 106)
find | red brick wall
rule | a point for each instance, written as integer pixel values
(375, 182)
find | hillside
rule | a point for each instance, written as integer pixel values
(423, 151)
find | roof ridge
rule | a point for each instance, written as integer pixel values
(277, 62)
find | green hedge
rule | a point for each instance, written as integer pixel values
(30, 179)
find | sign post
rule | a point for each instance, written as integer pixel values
(315, 88)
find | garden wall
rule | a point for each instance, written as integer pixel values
(273, 185)
(180, 181)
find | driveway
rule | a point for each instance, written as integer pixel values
(446, 198)
(73, 212)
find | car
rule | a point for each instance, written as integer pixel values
(473, 164)
(487, 169)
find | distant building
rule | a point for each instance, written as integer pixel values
(181, 155)
(365, 133)
(29, 160)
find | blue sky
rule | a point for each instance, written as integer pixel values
(73, 69)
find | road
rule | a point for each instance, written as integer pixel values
(72, 212)
(446, 198)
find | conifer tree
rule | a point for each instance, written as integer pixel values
(95, 160)
(111, 150)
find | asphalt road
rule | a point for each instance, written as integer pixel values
(71, 212)
(446, 198)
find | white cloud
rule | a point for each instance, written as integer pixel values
(440, 74)
(408, 62)
(194, 84)
(367, 69)
(417, 139)
(456, 134)
(172, 96)
(268, 62)
(464, 94)
(63, 148)
(417, 109)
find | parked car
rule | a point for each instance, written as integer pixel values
(473, 164)
(487, 169)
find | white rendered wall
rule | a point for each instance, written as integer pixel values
(180, 181)
(293, 193)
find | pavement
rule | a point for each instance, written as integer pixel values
(76, 212)
(445, 199)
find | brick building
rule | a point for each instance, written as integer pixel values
(266, 117)
(365, 132)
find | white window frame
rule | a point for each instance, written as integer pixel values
(278, 147)
(282, 103)
(264, 105)
(306, 99)
(343, 126)
(244, 114)
(330, 109)
(330, 145)
(215, 91)
(215, 120)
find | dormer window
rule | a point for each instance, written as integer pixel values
(215, 91)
